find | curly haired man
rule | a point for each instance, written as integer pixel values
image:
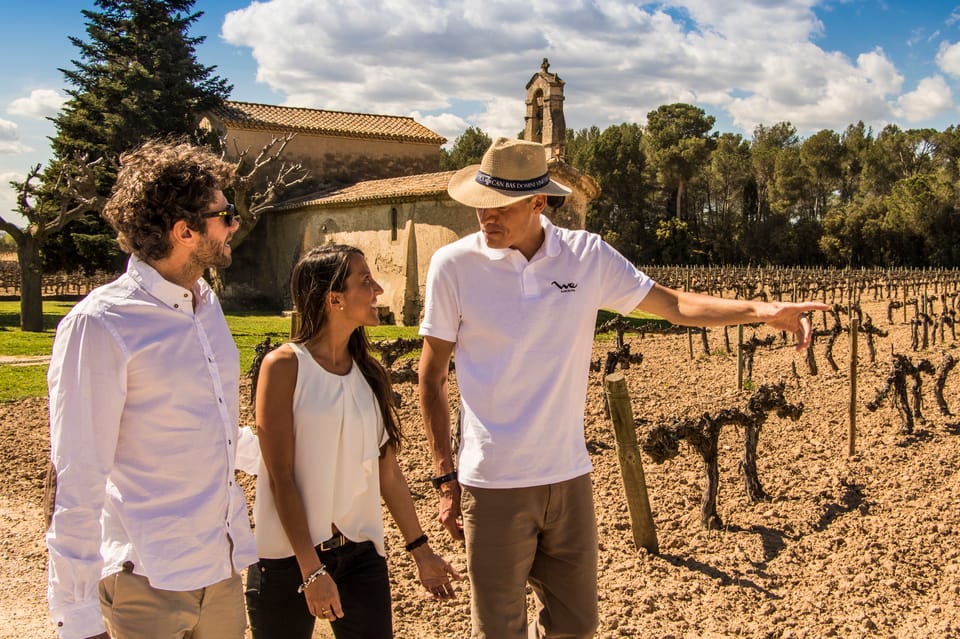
(149, 531)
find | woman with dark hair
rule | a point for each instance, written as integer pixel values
(328, 438)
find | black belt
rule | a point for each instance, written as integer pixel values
(334, 542)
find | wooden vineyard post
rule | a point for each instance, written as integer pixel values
(852, 439)
(631, 466)
(904, 302)
(294, 322)
(689, 331)
(740, 357)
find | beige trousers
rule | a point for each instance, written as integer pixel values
(133, 609)
(545, 536)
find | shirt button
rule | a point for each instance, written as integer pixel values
(176, 306)
(185, 295)
(220, 399)
(230, 441)
(231, 483)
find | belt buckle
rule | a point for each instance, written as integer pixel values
(334, 542)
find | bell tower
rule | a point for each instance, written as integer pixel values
(544, 119)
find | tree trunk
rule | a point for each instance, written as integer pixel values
(680, 186)
(31, 285)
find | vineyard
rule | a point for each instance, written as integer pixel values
(55, 285)
(768, 526)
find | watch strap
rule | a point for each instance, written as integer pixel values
(442, 479)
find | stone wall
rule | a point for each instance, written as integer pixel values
(398, 258)
(336, 160)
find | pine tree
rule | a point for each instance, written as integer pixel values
(137, 77)
(466, 150)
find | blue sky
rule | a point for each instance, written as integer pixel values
(457, 63)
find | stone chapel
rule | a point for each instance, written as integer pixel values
(381, 192)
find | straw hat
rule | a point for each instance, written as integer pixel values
(510, 171)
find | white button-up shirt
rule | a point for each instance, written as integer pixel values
(144, 403)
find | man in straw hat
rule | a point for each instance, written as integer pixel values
(517, 302)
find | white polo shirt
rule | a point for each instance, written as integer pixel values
(523, 334)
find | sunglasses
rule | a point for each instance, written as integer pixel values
(228, 214)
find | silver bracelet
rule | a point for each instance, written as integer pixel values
(319, 572)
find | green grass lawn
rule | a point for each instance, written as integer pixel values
(13, 341)
(19, 382)
(636, 318)
(248, 328)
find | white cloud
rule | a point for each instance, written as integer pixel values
(502, 116)
(931, 98)
(10, 138)
(948, 59)
(8, 197)
(880, 72)
(41, 103)
(755, 61)
(448, 125)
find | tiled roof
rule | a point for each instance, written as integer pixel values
(398, 189)
(249, 115)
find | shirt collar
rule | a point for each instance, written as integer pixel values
(550, 246)
(551, 237)
(173, 295)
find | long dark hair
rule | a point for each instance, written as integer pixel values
(318, 273)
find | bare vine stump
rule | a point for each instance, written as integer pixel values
(811, 359)
(261, 351)
(949, 361)
(703, 434)
(896, 381)
(392, 349)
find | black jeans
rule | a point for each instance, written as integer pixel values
(278, 611)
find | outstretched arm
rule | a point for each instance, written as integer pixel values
(693, 309)
(435, 410)
(435, 573)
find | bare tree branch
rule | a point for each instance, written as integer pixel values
(250, 204)
(76, 188)
(77, 184)
(75, 193)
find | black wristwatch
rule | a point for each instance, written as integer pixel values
(442, 479)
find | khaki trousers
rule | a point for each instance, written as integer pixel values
(133, 609)
(545, 536)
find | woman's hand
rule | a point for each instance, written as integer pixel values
(323, 598)
(435, 573)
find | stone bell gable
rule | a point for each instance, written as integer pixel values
(544, 120)
(377, 187)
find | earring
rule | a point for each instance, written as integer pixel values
(341, 308)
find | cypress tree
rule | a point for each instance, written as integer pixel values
(136, 77)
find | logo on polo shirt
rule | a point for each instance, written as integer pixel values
(570, 287)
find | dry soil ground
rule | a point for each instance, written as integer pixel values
(848, 546)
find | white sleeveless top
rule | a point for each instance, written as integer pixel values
(337, 431)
